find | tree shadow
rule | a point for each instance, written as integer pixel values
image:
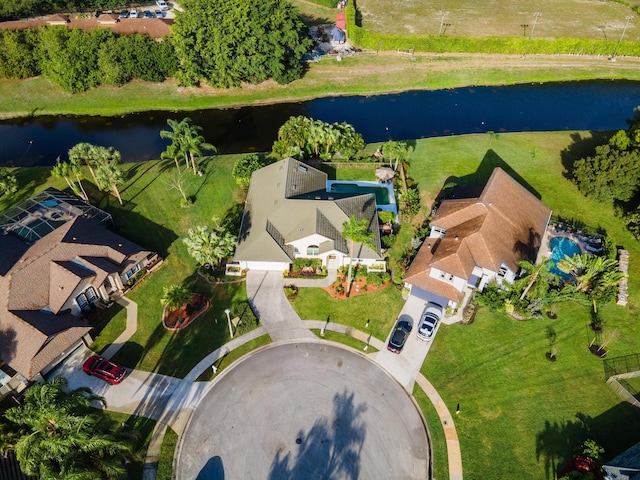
(528, 249)
(163, 166)
(213, 470)
(330, 449)
(582, 147)
(471, 186)
(8, 344)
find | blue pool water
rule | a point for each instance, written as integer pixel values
(561, 246)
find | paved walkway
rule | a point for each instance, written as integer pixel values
(132, 326)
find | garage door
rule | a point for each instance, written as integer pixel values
(429, 297)
(270, 266)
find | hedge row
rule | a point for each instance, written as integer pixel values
(505, 45)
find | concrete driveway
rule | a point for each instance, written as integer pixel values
(406, 365)
(304, 411)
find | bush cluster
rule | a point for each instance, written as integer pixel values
(76, 60)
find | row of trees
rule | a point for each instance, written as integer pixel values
(104, 164)
(76, 60)
(8, 182)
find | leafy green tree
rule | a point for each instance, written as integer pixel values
(8, 182)
(356, 231)
(609, 175)
(244, 168)
(61, 436)
(18, 57)
(410, 202)
(185, 141)
(234, 41)
(83, 153)
(175, 296)
(598, 277)
(209, 247)
(109, 169)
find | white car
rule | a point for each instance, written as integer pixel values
(429, 321)
(162, 5)
(133, 14)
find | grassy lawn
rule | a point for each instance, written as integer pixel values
(107, 327)
(234, 355)
(520, 412)
(165, 459)
(365, 75)
(559, 18)
(438, 440)
(382, 308)
(344, 339)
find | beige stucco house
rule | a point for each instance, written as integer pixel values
(58, 260)
(290, 214)
(474, 241)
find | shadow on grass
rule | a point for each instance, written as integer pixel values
(615, 430)
(330, 449)
(582, 147)
(470, 186)
(140, 429)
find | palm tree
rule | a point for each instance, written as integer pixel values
(538, 275)
(176, 134)
(397, 154)
(63, 437)
(195, 144)
(593, 275)
(110, 172)
(175, 296)
(83, 153)
(208, 246)
(186, 140)
(68, 171)
(171, 153)
(356, 231)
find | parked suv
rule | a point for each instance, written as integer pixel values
(162, 5)
(429, 321)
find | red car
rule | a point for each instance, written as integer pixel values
(104, 369)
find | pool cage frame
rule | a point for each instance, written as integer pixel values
(34, 218)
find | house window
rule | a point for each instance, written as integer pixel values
(313, 250)
(296, 251)
(439, 230)
(132, 272)
(502, 272)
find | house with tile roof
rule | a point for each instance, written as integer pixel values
(290, 214)
(474, 241)
(61, 260)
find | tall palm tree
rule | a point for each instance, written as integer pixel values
(195, 144)
(538, 275)
(356, 231)
(83, 153)
(176, 135)
(174, 296)
(186, 140)
(109, 171)
(171, 153)
(593, 275)
(63, 437)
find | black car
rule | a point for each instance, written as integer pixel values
(400, 334)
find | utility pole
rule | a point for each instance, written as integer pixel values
(444, 15)
(624, 30)
(535, 20)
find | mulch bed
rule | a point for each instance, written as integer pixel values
(358, 287)
(177, 320)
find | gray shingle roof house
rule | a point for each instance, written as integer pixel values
(54, 274)
(476, 240)
(625, 466)
(289, 214)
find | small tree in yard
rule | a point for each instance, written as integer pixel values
(110, 172)
(8, 182)
(174, 296)
(244, 168)
(209, 247)
(356, 231)
(397, 154)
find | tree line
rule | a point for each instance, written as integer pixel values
(76, 60)
(16, 9)
(225, 43)
(612, 174)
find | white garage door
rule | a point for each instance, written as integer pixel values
(271, 266)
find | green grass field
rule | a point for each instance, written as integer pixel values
(484, 18)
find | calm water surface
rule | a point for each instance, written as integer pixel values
(594, 105)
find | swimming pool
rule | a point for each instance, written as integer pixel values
(561, 246)
(381, 192)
